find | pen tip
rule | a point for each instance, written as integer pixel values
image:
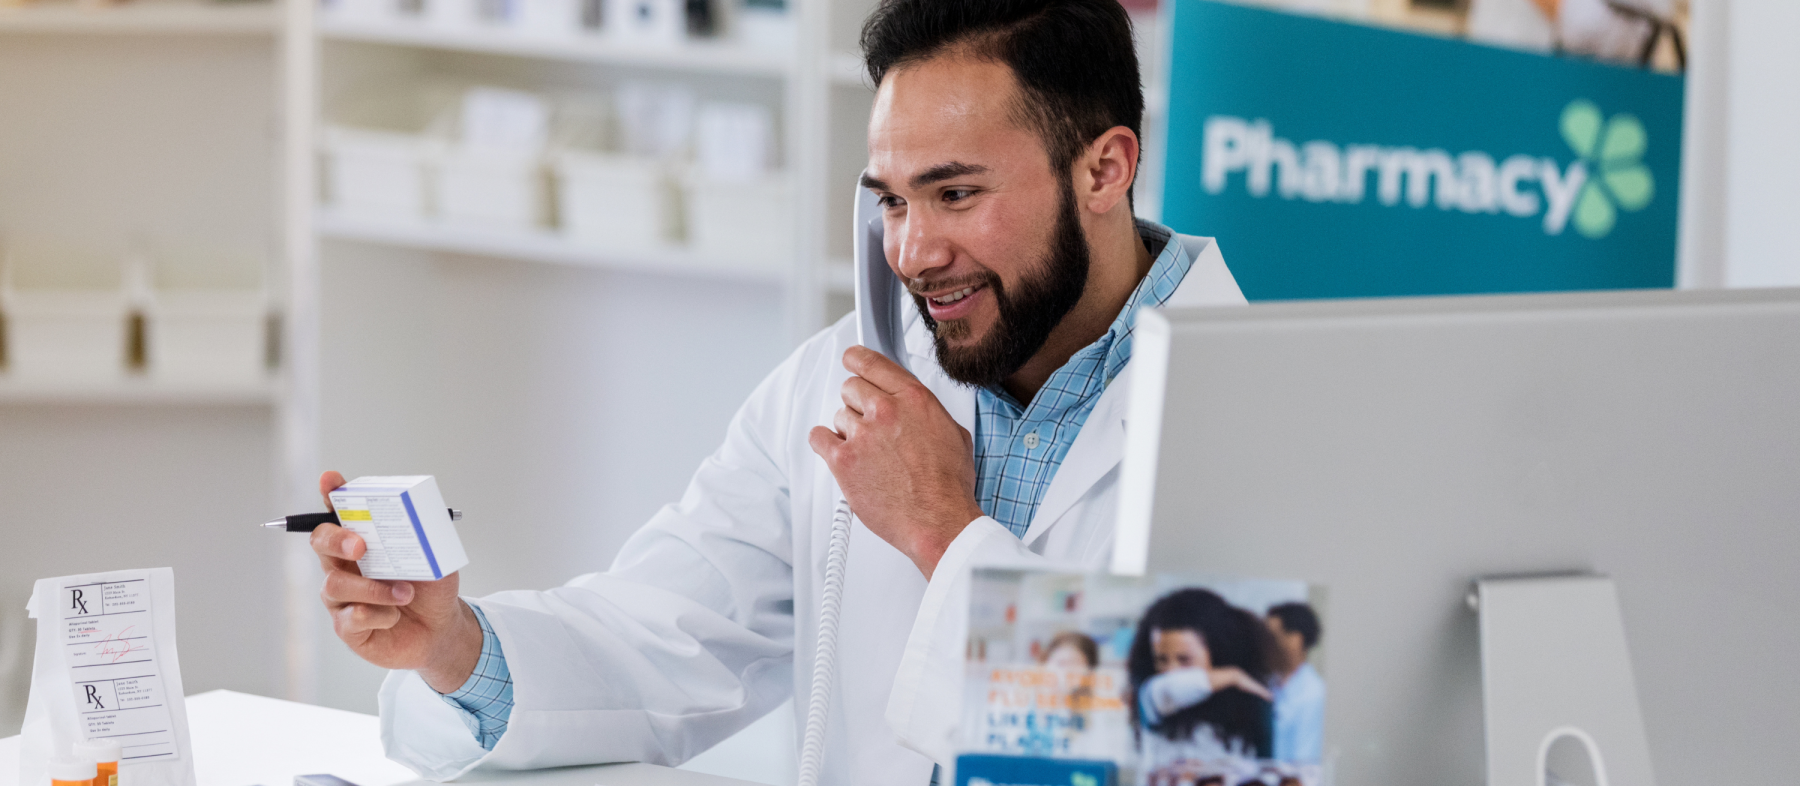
(276, 524)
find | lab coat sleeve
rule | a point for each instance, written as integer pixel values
(685, 640)
(926, 700)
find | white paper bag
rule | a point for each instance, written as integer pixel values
(106, 668)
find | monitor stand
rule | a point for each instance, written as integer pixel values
(1560, 700)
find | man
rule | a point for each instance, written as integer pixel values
(1299, 690)
(1003, 145)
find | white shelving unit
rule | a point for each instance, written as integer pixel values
(537, 245)
(325, 55)
(140, 391)
(160, 48)
(150, 17)
(804, 77)
(698, 57)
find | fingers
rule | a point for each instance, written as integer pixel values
(845, 422)
(328, 481)
(861, 395)
(824, 442)
(359, 618)
(343, 588)
(878, 369)
(331, 540)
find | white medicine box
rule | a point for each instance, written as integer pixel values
(404, 524)
(494, 175)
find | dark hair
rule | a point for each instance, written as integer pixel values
(1080, 641)
(1074, 59)
(1298, 618)
(1233, 637)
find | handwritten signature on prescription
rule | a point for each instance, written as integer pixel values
(117, 647)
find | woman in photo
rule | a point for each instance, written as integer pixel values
(1198, 670)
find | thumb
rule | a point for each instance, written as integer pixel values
(327, 482)
(824, 442)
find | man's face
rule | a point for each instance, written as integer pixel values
(1289, 644)
(982, 230)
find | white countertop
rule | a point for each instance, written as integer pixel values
(246, 740)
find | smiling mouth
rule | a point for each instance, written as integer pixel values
(946, 300)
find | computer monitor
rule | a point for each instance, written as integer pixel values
(1394, 450)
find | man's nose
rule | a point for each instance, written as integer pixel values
(922, 248)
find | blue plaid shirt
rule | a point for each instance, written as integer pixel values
(1017, 450)
(485, 699)
(1018, 447)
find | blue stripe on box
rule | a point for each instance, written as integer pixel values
(419, 529)
(987, 770)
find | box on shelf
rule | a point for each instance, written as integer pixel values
(746, 223)
(606, 199)
(381, 149)
(201, 337)
(733, 141)
(494, 174)
(67, 336)
(617, 202)
(492, 188)
(450, 16)
(208, 313)
(647, 22)
(66, 312)
(547, 18)
(765, 26)
(360, 11)
(378, 172)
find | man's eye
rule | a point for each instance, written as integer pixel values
(958, 194)
(889, 200)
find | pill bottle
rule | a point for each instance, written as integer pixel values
(72, 772)
(105, 756)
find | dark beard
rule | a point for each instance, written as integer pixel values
(1026, 317)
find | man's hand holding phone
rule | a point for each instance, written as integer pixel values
(906, 466)
(418, 625)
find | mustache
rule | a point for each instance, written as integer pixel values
(919, 286)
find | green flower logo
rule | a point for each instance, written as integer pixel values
(1613, 152)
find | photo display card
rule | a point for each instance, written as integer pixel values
(1097, 679)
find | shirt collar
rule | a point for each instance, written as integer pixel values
(1169, 267)
(1166, 272)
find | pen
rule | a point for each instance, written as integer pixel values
(307, 522)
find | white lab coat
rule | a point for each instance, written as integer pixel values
(708, 618)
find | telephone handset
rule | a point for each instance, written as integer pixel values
(880, 299)
(880, 308)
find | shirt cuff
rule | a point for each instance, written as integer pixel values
(485, 700)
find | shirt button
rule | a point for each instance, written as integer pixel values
(1031, 441)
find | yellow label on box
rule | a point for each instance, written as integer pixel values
(353, 515)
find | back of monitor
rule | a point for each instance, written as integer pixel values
(1394, 451)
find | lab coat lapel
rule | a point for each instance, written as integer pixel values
(1096, 450)
(957, 398)
(1100, 445)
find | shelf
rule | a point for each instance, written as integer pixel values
(145, 17)
(134, 390)
(701, 56)
(533, 246)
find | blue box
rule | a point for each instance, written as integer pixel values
(987, 770)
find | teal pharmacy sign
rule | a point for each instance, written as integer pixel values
(1339, 160)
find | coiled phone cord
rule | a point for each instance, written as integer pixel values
(837, 555)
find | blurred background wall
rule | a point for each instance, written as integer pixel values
(560, 398)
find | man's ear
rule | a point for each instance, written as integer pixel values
(1104, 173)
